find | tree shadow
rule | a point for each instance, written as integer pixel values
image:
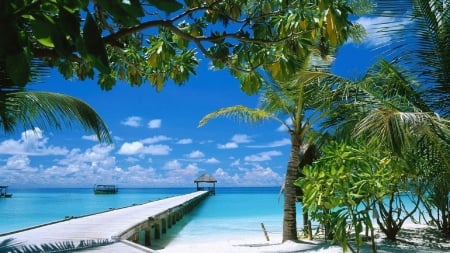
(12, 246)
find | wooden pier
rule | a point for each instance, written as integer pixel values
(130, 229)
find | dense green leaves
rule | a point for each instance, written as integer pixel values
(95, 47)
(158, 41)
(167, 6)
(342, 185)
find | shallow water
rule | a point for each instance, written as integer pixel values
(31, 207)
(231, 214)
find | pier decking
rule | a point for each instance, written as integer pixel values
(128, 227)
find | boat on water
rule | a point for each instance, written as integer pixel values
(105, 189)
(4, 192)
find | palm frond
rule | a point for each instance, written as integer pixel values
(240, 113)
(399, 130)
(42, 109)
(420, 43)
(384, 106)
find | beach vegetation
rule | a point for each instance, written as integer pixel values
(297, 97)
(435, 179)
(390, 121)
(343, 186)
(418, 40)
(412, 119)
(297, 105)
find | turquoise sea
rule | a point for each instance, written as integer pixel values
(231, 212)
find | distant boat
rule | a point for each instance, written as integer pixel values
(105, 189)
(4, 192)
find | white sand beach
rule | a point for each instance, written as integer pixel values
(414, 238)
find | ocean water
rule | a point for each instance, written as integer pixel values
(31, 207)
(232, 212)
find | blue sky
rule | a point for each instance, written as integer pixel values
(156, 139)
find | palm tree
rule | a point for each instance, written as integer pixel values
(302, 101)
(422, 46)
(31, 109)
(388, 111)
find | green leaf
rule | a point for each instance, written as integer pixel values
(42, 32)
(125, 13)
(250, 83)
(18, 68)
(134, 8)
(70, 24)
(74, 5)
(166, 5)
(95, 45)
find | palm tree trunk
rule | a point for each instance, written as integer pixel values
(290, 196)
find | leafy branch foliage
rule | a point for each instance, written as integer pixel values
(342, 185)
(157, 41)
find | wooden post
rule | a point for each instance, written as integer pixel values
(265, 231)
(164, 225)
(148, 236)
(157, 230)
(136, 237)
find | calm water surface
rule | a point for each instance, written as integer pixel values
(231, 209)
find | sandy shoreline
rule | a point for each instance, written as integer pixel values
(414, 238)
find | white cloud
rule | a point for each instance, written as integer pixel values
(178, 173)
(260, 176)
(155, 139)
(184, 141)
(133, 121)
(373, 24)
(138, 148)
(154, 123)
(172, 165)
(255, 176)
(229, 145)
(94, 156)
(235, 141)
(224, 178)
(263, 156)
(92, 137)
(212, 160)
(282, 127)
(236, 163)
(195, 154)
(31, 142)
(241, 138)
(18, 162)
(131, 148)
(157, 149)
(274, 144)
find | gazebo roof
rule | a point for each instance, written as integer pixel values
(205, 178)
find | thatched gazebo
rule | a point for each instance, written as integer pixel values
(206, 178)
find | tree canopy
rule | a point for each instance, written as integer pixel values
(156, 41)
